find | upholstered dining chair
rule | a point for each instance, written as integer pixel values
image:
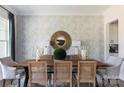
(62, 72)
(121, 73)
(38, 72)
(111, 73)
(9, 73)
(86, 72)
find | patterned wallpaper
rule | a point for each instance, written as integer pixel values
(32, 30)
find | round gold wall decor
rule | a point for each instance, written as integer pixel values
(60, 39)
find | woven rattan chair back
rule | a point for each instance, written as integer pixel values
(62, 72)
(38, 72)
(86, 72)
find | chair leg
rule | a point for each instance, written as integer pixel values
(19, 82)
(94, 84)
(70, 84)
(54, 85)
(103, 84)
(11, 81)
(52, 79)
(4, 82)
(89, 84)
(109, 81)
(117, 82)
(78, 84)
(48, 83)
(30, 83)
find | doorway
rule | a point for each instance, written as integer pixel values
(113, 38)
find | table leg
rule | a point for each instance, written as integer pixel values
(97, 85)
(26, 77)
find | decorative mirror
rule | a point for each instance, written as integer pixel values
(60, 39)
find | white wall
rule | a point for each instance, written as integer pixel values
(114, 13)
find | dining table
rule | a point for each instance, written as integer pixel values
(50, 63)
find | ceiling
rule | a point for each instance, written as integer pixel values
(57, 9)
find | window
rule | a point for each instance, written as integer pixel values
(4, 37)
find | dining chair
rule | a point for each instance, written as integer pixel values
(111, 73)
(9, 73)
(62, 72)
(38, 72)
(86, 72)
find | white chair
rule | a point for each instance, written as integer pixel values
(111, 73)
(9, 73)
(114, 61)
(121, 74)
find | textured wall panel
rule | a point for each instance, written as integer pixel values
(32, 30)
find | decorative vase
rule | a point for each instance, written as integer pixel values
(83, 54)
(37, 55)
(46, 50)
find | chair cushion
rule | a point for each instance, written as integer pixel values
(7, 72)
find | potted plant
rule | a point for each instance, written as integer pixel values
(59, 54)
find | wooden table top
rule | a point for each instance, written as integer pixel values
(50, 62)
